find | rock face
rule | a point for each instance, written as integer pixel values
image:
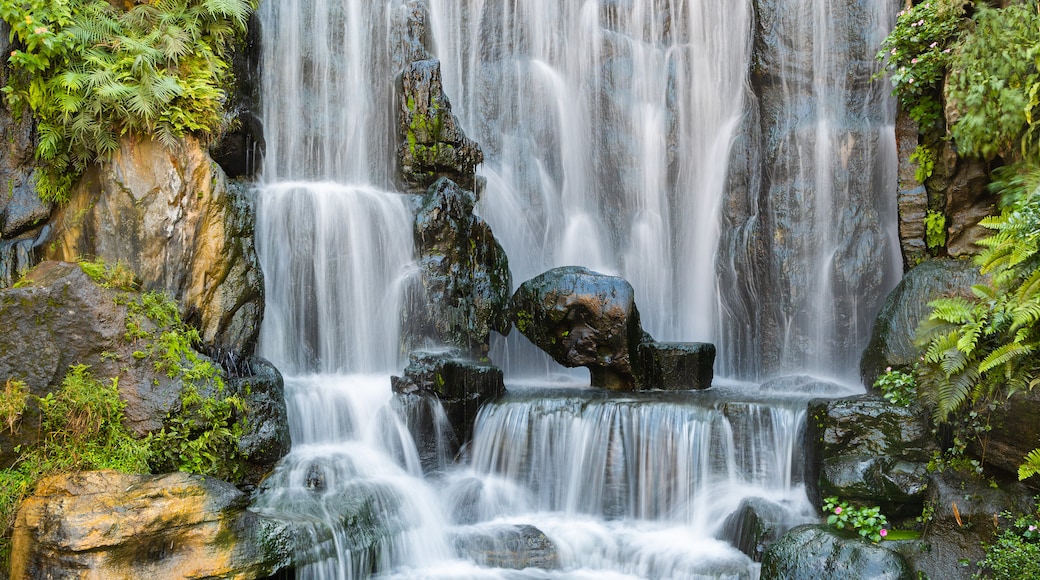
(1014, 432)
(170, 215)
(583, 318)
(814, 551)
(891, 342)
(266, 439)
(460, 385)
(676, 366)
(433, 144)
(865, 449)
(106, 524)
(755, 524)
(240, 150)
(463, 285)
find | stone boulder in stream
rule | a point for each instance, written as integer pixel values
(106, 524)
(810, 552)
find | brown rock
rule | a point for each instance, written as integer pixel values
(110, 525)
(169, 214)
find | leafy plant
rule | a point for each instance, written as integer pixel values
(897, 387)
(935, 229)
(916, 54)
(925, 158)
(994, 83)
(13, 400)
(108, 276)
(1016, 553)
(868, 522)
(91, 72)
(1030, 465)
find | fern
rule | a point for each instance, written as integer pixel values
(1030, 465)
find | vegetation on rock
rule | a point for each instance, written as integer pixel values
(868, 522)
(1015, 555)
(90, 72)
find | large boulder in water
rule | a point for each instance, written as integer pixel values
(583, 318)
(868, 450)
(514, 547)
(169, 214)
(892, 339)
(463, 285)
(106, 524)
(812, 552)
(755, 525)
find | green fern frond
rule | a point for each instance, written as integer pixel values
(1003, 355)
(1030, 465)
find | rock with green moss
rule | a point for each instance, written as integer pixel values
(462, 289)
(809, 552)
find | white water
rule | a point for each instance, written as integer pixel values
(608, 129)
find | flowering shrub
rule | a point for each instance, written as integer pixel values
(916, 54)
(898, 388)
(866, 521)
(1015, 555)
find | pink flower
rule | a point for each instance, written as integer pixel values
(911, 81)
(913, 61)
(883, 532)
(888, 369)
(1032, 528)
(837, 510)
(933, 45)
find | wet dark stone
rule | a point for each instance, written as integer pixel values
(462, 289)
(583, 318)
(461, 386)
(315, 478)
(676, 366)
(754, 525)
(816, 551)
(891, 342)
(240, 150)
(266, 438)
(868, 450)
(507, 546)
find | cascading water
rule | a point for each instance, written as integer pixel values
(714, 153)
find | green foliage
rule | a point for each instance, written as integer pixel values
(202, 434)
(916, 54)
(1016, 553)
(935, 229)
(13, 400)
(91, 72)
(897, 387)
(108, 276)
(925, 158)
(994, 82)
(1030, 465)
(868, 522)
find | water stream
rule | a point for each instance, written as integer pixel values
(731, 159)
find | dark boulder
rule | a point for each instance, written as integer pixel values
(432, 143)
(676, 366)
(462, 289)
(866, 450)
(266, 438)
(755, 525)
(1014, 431)
(892, 339)
(240, 149)
(507, 546)
(822, 552)
(460, 386)
(583, 318)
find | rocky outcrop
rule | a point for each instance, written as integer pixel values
(912, 196)
(891, 342)
(463, 284)
(240, 149)
(676, 366)
(866, 450)
(459, 385)
(813, 551)
(507, 546)
(754, 525)
(170, 215)
(958, 187)
(1014, 431)
(266, 438)
(583, 318)
(106, 524)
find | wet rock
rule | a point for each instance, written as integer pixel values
(240, 150)
(409, 38)
(105, 524)
(460, 385)
(432, 143)
(463, 286)
(754, 525)
(912, 196)
(507, 546)
(266, 438)
(867, 450)
(583, 318)
(676, 366)
(816, 551)
(891, 342)
(19, 255)
(803, 384)
(170, 215)
(961, 185)
(1014, 432)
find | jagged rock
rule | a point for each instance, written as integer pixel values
(432, 144)
(814, 551)
(868, 450)
(463, 287)
(912, 196)
(961, 184)
(106, 524)
(507, 546)
(583, 318)
(170, 215)
(409, 40)
(676, 366)
(754, 525)
(891, 342)
(460, 385)
(266, 438)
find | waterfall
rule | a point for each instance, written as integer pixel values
(731, 159)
